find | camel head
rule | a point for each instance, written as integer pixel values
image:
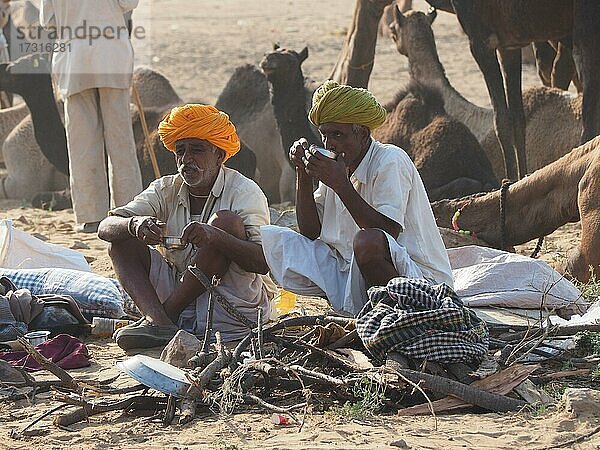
(25, 76)
(282, 64)
(406, 29)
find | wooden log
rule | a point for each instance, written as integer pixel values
(142, 402)
(500, 383)
(473, 395)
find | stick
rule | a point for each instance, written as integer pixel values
(66, 379)
(195, 390)
(46, 414)
(259, 334)
(188, 411)
(318, 376)
(90, 409)
(344, 340)
(237, 352)
(149, 148)
(272, 407)
(169, 411)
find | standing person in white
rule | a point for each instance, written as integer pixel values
(93, 65)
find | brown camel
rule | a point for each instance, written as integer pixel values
(246, 99)
(553, 117)
(497, 29)
(444, 151)
(562, 192)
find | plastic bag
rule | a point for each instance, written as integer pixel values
(19, 250)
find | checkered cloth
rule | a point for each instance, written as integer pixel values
(420, 320)
(95, 295)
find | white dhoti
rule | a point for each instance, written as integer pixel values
(98, 120)
(309, 267)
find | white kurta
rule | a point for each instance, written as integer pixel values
(87, 60)
(93, 65)
(387, 180)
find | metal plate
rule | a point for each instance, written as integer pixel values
(156, 374)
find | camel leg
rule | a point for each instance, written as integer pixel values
(510, 61)
(544, 59)
(564, 66)
(586, 53)
(485, 58)
(585, 260)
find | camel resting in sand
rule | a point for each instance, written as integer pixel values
(565, 191)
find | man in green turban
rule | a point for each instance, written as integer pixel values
(368, 221)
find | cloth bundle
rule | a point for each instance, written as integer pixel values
(421, 320)
(66, 351)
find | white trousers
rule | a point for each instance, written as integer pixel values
(98, 123)
(309, 267)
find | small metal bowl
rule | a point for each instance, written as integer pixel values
(323, 151)
(173, 243)
(37, 337)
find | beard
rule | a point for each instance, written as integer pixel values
(195, 176)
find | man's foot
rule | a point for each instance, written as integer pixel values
(88, 227)
(144, 335)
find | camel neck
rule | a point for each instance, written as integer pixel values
(48, 128)
(289, 105)
(425, 68)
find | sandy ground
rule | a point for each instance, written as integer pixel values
(197, 44)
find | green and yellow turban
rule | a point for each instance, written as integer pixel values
(336, 103)
(202, 122)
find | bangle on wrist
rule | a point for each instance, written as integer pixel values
(130, 228)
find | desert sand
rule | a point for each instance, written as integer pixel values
(197, 44)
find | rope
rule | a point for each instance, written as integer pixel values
(362, 66)
(503, 192)
(226, 304)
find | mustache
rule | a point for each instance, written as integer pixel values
(184, 166)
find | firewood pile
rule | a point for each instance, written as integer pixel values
(309, 364)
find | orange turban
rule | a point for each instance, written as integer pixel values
(202, 122)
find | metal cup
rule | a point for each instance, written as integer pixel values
(173, 243)
(323, 151)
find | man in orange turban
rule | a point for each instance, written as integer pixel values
(214, 214)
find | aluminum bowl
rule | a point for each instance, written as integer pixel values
(156, 374)
(173, 243)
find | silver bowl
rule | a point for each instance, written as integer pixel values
(323, 151)
(173, 243)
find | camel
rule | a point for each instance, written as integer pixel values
(29, 77)
(245, 98)
(446, 154)
(498, 29)
(544, 107)
(562, 192)
(283, 70)
(9, 118)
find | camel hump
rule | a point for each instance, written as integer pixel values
(246, 93)
(154, 88)
(539, 97)
(431, 97)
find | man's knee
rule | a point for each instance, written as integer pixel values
(370, 245)
(230, 222)
(129, 250)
